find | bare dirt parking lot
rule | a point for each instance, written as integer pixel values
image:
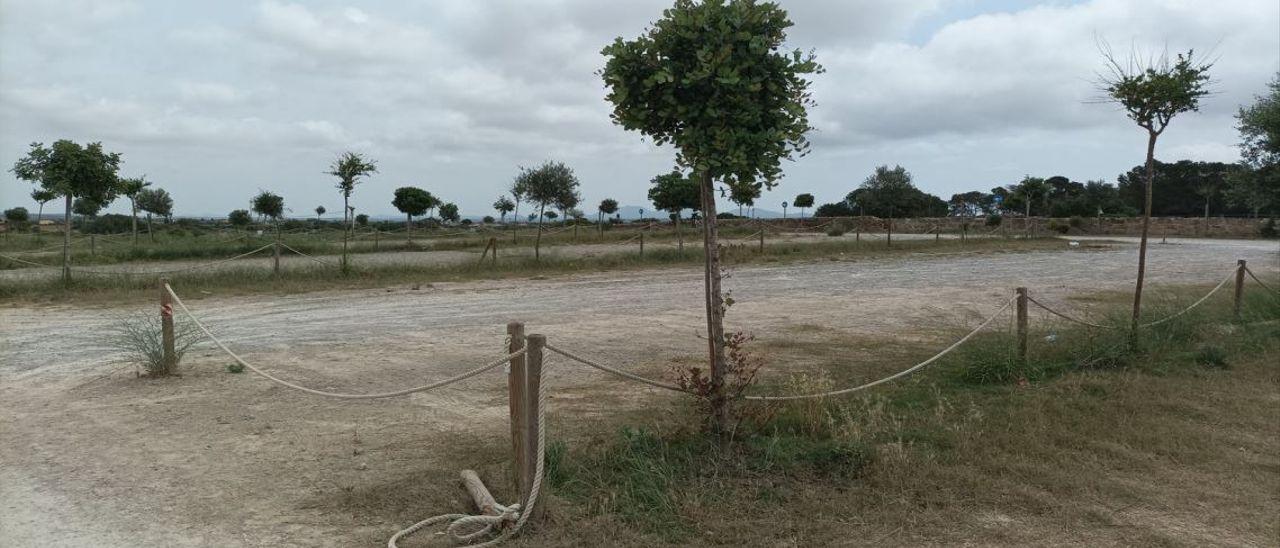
(92, 456)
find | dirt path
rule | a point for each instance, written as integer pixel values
(92, 455)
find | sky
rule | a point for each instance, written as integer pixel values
(214, 101)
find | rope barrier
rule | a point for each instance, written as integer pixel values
(316, 259)
(1033, 300)
(506, 514)
(613, 370)
(897, 375)
(170, 271)
(456, 378)
(1147, 324)
(1255, 278)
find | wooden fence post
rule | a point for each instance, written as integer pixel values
(93, 244)
(761, 239)
(376, 236)
(275, 256)
(515, 401)
(493, 243)
(533, 385)
(1022, 325)
(167, 337)
(642, 244)
(1239, 301)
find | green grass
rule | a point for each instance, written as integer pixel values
(1085, 425)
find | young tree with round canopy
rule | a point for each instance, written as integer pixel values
(1152, 95)
(270, 206)
(673, 193)
(608, 206)
(504, 205)
(711, 79)
(350, 168)
(239, 218)
(72, 171)
(130, 189)
(413, 202)
(449, 212)
(155, 201)
(550, 184)
(803, 201)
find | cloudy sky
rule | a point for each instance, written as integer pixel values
(215, 100)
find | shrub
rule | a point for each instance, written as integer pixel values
(138, 337)
(235, 367)
(488, 219)
(1268, 229)
(1213, 356)
(741, 366)
(1076, 222)
(837, 230)
(994, 220)
(1060, 228)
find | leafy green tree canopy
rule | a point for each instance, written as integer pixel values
(552, 183)
(608, 206)
(413, 201)
(350, 168)
(803, 200)
(449, 212)
(17, 215)
(156, 201)
(673, 193)
(239, 218)
(709, 78)
(1153, 95)
(268, 204)
(71, 170)
(86, 207)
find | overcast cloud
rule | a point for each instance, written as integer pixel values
(215, 100)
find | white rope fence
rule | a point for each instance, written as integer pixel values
(1147, 324)
(140, 273)
(1255, 278)
(456, 378)
(313, 258)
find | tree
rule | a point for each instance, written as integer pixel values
(744, 195)
(971, 204)
(803, 201)
(552, 183)
(710, 79)
(608, 206)
(320, 212)
(1254, 190)
(239, 218)
(350, 168)
(155, 201)
(504, 205)
(837, 209)
(269, 206)
(86, 208)
(362, 220)
(449, 212)
(41, 196)
(673, 193)
(72, 171)
(1259, 126)
(17, 215)
(412, 201)
(551, 215)
(130, 189)
(1152, 94)
(887, 192)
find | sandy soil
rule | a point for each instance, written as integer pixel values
(92, 455)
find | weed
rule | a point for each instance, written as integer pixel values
(235, 367)
(139, 338)
(1211, 355)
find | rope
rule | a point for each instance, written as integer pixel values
(459, 522)
(456, 378)
(897, 375)
(171, 271)
(1066, 317)
(613, 370)
(1193, 305)
(316, 259)
(1255, 278)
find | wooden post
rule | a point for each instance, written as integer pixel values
(1022, 325)
(533, 384)
(493, 243)
(376, 235)
(1239, 301)
(937, 235)
(762, 240)
(479, 493)
(166, 327)
(275, 257)
(515, 401)
(93, 244)
(642, 244)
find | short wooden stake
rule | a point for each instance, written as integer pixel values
(642, 244)
(275, 257)
(1239, 301)
(479, 493)
(515, 401)
(762, 241)
(493, 244)
(1022, 325)
(533, 384)
(167, 337)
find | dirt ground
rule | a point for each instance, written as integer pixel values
(93, 456)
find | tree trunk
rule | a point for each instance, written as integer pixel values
(679, 234)
(1142, 244)
(888, 239)
(537, 244)
(39, 217)
(346, 227)
(66, 244)
(1026, 220)
(150, 233)
(715, 308)
(133, 206)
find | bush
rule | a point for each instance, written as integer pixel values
(111, 223)
(1076, 222)
(488, 219)
(836, 230)
(1060, 228)
(235, 367)
(994, 220)
(1267, 229)
(1213, 356)
(138, 337)
(726, 215)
